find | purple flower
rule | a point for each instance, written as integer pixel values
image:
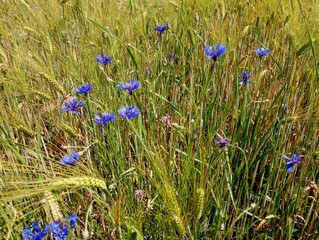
(221, 142)
(104, 59)
(70, 159)
(84, 89)
(160, 29)
(286, 108)
(105, 118)
(129, 112)
(37, 234)
(131, 86)
(166, 119)
(60, 231)
(215, 54)
(245, 78)
(294, 159)
(262, 52)
(72, 105)
(72, 217)
(171, 57)
(149, 71)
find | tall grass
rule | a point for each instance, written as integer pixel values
(146, 178)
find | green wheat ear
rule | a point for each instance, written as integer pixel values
(68, 129)
(41, 95)
(200, 202)
(53, 206)
(174, 209)
(25, 130)
(53, 82)
(20, 189)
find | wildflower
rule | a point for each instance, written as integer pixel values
(37, 234)
(160, 29)
(245, 78)
(262, 52)
(129, 112)
(286, 108)
(149, 71)
(215, 54)
(139, 194)
(70, 159)
(104, 59)
(166, 119)
(131, 85)
(72, 217)
(171, 57)
(84, 89)
(72, 105)
(105, 118)
(222, 142)
(294, 159)
(60, 231)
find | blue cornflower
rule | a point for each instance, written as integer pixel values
(131, 85)
(245, 78)
(70, 159)
(60, 231)
(294, 159)
(37, 234)
(104, 59)
(72, 105)
(84, 89)
(221, 142)
(215, 54)
(105, 118)
(262, 52)
(160, 29)
(129, 112)
(72, 217)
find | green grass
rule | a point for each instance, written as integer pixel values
(48, 48)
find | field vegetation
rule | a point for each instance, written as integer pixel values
(206, 144)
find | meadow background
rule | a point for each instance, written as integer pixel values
(149, 177)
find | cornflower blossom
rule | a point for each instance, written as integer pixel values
(245, 78)
(84, 89)
(60, 231)
(70, 159)
(262, 52)
(72, 105)
(161, 28)
(130, 86)
(72, 218)
(129, 112)
(215, 54)
(104, 58)
(222, 142)
(37, 234)
(105, 118)
(294, 159)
